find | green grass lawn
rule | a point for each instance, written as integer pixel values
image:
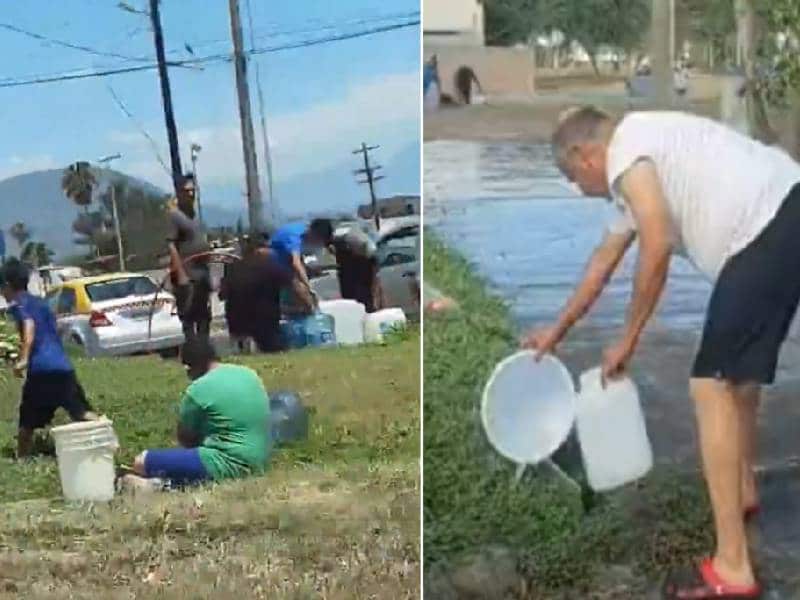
(336, 515)
(470, 503)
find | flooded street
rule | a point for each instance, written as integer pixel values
(518, 222)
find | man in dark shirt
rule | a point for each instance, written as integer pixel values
(357, 266)
(251, 291)
(50, 381)
(191, 280)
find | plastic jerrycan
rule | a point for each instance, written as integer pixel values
(611, 431)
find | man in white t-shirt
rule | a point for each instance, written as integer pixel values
(730, 205)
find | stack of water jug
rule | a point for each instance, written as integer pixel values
(344, 322)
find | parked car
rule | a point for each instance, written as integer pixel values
(110, 315)
(398, 264)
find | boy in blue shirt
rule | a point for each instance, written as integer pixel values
(50, 380)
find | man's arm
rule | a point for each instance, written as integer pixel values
(189, 423)
(601, 266)
(642, 190)
(27, 331)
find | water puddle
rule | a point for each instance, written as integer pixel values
(522, 227)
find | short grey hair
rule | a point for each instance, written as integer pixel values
(577, 125)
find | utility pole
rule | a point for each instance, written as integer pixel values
(115, 214)
(660, 33)
(369, 171)
(254, 205)
(166, 96)
(195, 152)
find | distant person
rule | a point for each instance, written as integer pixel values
(50, 380)
(222, 427)
(251, 291)
(191, 281)
(287, 245)
(357, 266)
(687, 185)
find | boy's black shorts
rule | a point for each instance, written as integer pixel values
(43, 393)
(753, 303)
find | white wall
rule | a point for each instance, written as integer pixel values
(462, 16)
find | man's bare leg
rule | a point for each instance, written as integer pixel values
(722, 449)
(749, 397)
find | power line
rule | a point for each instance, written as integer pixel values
(139, 126)
(70, 45)
(207, 59)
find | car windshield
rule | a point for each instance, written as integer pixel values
(120, 288)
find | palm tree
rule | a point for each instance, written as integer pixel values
(20, 232)
(78, 182)
(36, 254)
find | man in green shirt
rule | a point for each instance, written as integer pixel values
(222, 425)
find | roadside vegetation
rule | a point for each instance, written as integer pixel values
(336, 515)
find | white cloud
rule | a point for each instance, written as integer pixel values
(383, 111)
(18, 165)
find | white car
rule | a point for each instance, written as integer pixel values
(110, 315)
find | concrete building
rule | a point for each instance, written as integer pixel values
(453, 22)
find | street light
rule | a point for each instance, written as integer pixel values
(195, 152)
(106, 160)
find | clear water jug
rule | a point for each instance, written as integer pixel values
(309, 331)
(611, 431)
(288, 418)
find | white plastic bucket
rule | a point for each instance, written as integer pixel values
(85, 452)
(528, 407)
(379, 323)
(348, 317)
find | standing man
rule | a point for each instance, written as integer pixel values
(287, 245)
(731, 205)
(191, 280)
(50, 381)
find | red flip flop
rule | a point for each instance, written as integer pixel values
(704, 583)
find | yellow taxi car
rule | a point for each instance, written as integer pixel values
(111, 315)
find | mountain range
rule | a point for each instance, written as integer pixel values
(36, 199)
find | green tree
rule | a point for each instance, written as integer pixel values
(714, 22)
(20, 232)
(78, 182)
(36, 254)
(596, 23)
(509, 22)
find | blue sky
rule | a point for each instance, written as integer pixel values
(321, 101)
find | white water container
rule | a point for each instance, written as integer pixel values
(85, 452)
(611, 431)
(379, 323)
(528, 407)
(348, 317)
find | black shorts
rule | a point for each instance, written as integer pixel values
(753, 303)
(43, 393)
(193, 301)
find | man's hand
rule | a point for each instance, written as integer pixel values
(20, 367)
(543, 341)
(615, 360)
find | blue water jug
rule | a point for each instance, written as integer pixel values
(310, 331)
(288, 418)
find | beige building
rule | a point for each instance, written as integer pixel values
(453, 22)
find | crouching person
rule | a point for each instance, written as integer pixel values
(222, 426)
